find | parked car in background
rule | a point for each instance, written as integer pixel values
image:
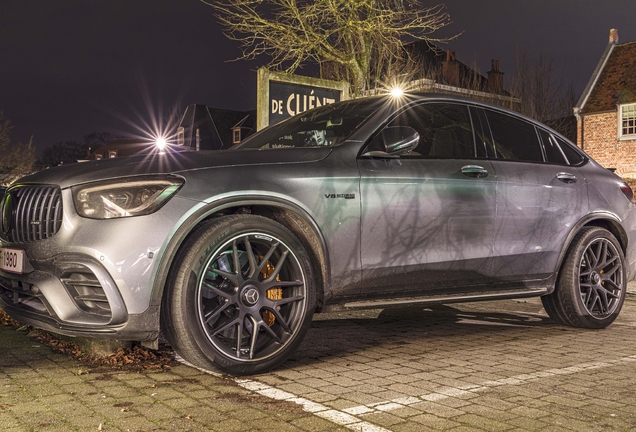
(370, 203)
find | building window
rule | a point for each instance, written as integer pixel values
(98, 156)
(181, 136)
(236, 135)
(627, 124)
(112, 154)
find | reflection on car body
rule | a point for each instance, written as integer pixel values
(369, 203)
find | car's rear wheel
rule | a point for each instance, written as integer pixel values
(591, 286)
(240, 295)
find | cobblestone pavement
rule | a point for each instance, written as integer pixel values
(480, 366)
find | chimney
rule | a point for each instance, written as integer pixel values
(495, 78)
(613, 38)
(450, 69)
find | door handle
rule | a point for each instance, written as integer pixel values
(566, 177)
(475, 171)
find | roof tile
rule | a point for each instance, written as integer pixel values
(617, 82)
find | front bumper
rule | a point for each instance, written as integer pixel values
(94, 277)
(74, 295)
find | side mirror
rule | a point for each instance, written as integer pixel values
(337, 121)
(400, 139)
(393, 141)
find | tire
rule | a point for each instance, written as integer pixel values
(551, 306)
(210, 311)
(591, 285)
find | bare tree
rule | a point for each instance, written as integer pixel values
(63, 153)
(355, 36)
(72, 151)
(17, 159)
(543, 96)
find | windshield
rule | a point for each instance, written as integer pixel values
(328, 125)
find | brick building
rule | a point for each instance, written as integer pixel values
(606, 111)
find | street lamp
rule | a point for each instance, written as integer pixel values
(397, 92)
(160, 143)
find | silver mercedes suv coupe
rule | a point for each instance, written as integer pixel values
(370, 203)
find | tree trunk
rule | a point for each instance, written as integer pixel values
(359, 82)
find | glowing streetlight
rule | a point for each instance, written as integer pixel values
(396, 92)
(160, 143)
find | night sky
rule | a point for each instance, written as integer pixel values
(72, 67)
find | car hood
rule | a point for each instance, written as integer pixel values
(78, 173)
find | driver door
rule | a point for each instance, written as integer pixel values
(428, 216)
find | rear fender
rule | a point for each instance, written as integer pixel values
(604, 219)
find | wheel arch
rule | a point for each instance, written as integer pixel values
(288, 214)
(606, 220)
(614, 227)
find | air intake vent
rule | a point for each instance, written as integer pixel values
(87, 292)
(31, 213)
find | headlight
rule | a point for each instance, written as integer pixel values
(124, 198)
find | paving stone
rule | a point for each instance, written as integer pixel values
(481, 366)
(434, 422)
(411, 427)
(182, 404)
(138, 423)
(90, 422)
(315, 424)
(529, 412)
(484, 423)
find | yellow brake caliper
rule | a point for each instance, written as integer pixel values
(275, 293)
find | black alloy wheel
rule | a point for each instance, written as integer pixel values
(601, 278)
(246, 296)
(591, 286)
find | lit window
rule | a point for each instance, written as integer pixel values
(236, 136)
(180, 136)
(112, 154)
(628, 120)
(98, 156)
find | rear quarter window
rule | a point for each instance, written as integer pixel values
(574, 157)
(553, 152)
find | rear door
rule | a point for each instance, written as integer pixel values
(539, 198)
(428, 217)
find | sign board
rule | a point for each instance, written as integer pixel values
(282, 95)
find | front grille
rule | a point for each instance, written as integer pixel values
(32, 213)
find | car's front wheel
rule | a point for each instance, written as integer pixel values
(591, 286)
(240, 295)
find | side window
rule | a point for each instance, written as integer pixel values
(483, 137)
(552, 151)
(573, 156)
(514, 139)
(445, 131)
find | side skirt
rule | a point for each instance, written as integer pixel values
(434, 300)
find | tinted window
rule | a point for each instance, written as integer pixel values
(514, 139)
(552, 151)
(445, 131)
(483, 137)
(573, 156)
